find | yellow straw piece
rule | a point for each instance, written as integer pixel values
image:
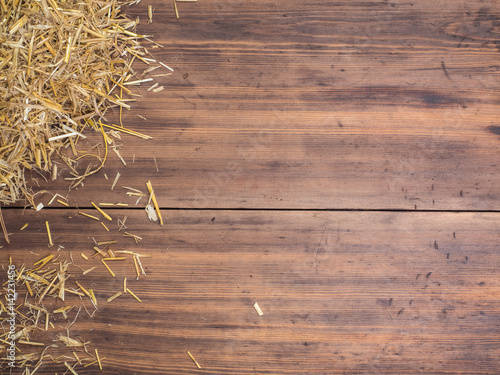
(106, 242)
(89, 270)
(100, 251)
(106, 216)
(194, 360)
(63, 203)
(105, 227)
(89, 216)
(133, 295)
(114, 296)
(48, 234)
(155, 203)
(127, 131)
(109, 269)
(30, 343)
(176, 10)
(98, 359)
(83, 289)
(44, 261)
(61, 309)
(70, 368)
(94, 362)
(24, 226)
(29, 288)
(92, 295)
(137, 267)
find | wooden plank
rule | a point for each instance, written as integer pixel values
(308, 104)
(341, 292)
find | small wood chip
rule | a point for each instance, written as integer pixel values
(258, 309)
(150, 13)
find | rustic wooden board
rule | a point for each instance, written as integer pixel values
(341, 292)
(303, 104)
(289, 110)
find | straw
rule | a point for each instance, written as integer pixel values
(62, 66)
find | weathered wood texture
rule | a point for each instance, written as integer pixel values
(342, 293)
(303, 104)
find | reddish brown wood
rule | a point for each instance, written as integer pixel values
(292, 109)
(357, 293)
(379, 105)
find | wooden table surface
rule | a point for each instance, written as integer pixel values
(336, 162)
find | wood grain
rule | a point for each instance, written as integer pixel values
(294, 118)
(318, 105)
(343, 292)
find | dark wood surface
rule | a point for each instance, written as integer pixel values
(320, 105)
(295, 118)
(341, 292)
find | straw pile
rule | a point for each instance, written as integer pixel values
(62, 65)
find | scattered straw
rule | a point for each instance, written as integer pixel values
(63, 64)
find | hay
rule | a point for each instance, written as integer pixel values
(62, 66)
